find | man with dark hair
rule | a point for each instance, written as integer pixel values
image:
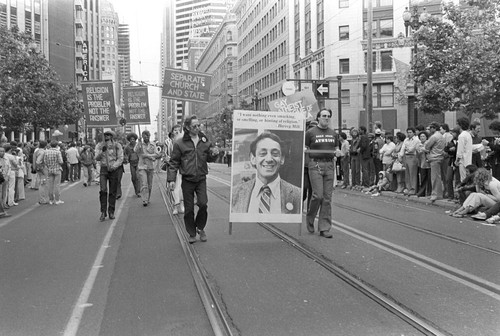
(190, 156)
(464, 147)
(110, 154)
(494, 156)
(366, 156)
(131, 157)
(322, 143)
(52, 161)
(41, 172)
(267, 192)
(73, 159)
(435, 154)
(474, 129)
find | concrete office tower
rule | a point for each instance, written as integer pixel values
(109, 48)
(187, 20)
(263, 49)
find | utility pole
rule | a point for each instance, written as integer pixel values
(369, 69)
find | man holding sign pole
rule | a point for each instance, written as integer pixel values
(190, 156)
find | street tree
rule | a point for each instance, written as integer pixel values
(458, 60)
(30, 92)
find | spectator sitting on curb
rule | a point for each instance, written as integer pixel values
(467, 186)
(382, 184)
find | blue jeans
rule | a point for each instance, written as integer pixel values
(135, 179)
(146, 178)
(321, 178)
(355, 170)
(436, 180)
(411, 173)
(53, 185)
(188, 190)
(108, 198)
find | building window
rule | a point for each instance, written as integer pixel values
(383, 95)
(320, 39)
(297, 53)
(308, 47)
(386, 60)
(307, 22)
(344, 66)
(345, 97)
(308, 72)
(320, 69)
(380, 28)
(320, 10)
(343, 33)
(343, 3)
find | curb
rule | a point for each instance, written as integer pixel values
(449, 205)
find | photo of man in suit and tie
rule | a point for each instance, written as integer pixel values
(267, 192)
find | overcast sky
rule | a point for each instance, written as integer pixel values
(144, 18)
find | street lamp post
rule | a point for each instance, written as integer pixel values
(414, 19)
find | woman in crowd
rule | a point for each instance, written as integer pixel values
(487, 194)
(424, 167)
(386, 153)
(398, 176)
(355, 159)
(452, 173)
(21, 173)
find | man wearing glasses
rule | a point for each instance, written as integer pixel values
(323, 143)
(190, 156)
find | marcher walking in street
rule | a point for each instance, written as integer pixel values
(110, 154)
(190, 156)
(73, 159)
(148, 153)
(130, 157)
(87, 160)
(178, 207)
(321, 172)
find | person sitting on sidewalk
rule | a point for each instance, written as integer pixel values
(382, 184)
(467, 186)
(484, 183)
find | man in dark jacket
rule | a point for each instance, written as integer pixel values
(190, 156)
(366, 156)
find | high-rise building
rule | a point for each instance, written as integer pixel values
(218, 58)
(184, 21)
(124, 53)
(109, 48)
(263, 49)
(28, 15)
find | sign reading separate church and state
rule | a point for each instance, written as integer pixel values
(136, 105)
(186, 85)
(99, 103)
(268, 151)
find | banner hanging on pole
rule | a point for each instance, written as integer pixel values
(99, 104)
(136, 105)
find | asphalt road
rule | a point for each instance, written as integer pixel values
(64, 272)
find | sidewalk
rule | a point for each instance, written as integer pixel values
(444, 203)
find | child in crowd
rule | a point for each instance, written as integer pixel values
(383, 184)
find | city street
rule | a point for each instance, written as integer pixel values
(64, 272)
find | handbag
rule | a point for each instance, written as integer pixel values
(397, 166)
(164, 166)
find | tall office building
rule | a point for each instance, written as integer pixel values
(109, 48)
(263, 49)
(124, 53)
(185, 20)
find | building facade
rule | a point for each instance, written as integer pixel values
(219, 59)
(263, 49)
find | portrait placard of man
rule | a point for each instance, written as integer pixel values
(267, 192)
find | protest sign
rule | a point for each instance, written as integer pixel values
(136, 105)
(186, 85)
(267, 151)
(99, 103)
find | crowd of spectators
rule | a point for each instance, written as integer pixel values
(431, 161)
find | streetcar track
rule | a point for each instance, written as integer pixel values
(405, 313)
(221, 325)
(419, 229)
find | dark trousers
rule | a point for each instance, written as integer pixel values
(366, 167)
(494, 210)
(135, 178)
(119, 184)
(425, 187)
(452, 180)
(378, 168)
(73, 172)
(64, 173)
(188, 190)
(355, 169)
(306, 195)
(107, 197)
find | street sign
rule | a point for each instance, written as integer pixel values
(186, 85)
(288, 88)
(322, 90)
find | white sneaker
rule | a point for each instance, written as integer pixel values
(59, 202)
(51, 202)
(175, 211)
(181, 208)
(493, 220)
(376, 194)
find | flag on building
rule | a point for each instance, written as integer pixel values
(402, 80)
